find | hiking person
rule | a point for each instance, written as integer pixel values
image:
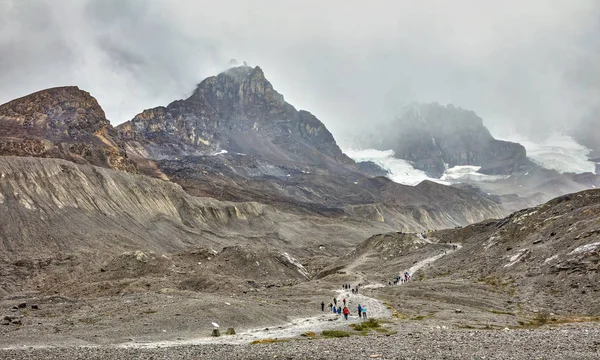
(334, 309)
(344, 301)
(346, 313)
(339, 312)
(352, 291)
(335, 301)
(330, 306)
(359, 311)
(322, 306)
(364, 309)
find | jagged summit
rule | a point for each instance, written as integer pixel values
(239, 111)
(239, 87)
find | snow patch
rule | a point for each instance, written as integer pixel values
(516, 257)
(301, 269)
(585, 248)
(557, 152)
(468, 172)
(554, 257)
(518, 220)
(220, 152)
(400, 171)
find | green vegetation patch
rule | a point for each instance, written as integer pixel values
(267, 341)
(335, 333)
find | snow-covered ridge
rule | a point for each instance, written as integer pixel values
(557, 152)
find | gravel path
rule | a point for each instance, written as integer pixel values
(573, 343)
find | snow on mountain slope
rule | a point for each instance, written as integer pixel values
(468, 172)
(400, 171)
(558, 152)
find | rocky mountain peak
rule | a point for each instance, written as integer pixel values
(62, 122)
(61, 109)
(239, 111)
(239, 87)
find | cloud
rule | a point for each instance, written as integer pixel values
(535, 62)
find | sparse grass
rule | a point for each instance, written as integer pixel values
(371, 323)
(479, 327)
(544, 318)
(366, 325)
(267, 341)
(423, 317)
(500, 312)
(466, 326)
(397, 315)
(490, 281)
(335, 333)
(89, 321)
(148, 311)
(381, 330)
(309, 334)
(444, 274)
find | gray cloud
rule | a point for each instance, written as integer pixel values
(531, 62)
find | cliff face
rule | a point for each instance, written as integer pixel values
(63, 123)
(238, 111)
(433, 136)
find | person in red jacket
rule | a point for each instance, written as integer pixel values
(346, 313)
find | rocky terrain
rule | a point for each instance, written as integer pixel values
(504, 288)
(408, 343)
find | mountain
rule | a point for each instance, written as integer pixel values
(238, 111)
(434, 137)
(236, 139)
(65, 123)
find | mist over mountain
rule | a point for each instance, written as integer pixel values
(435, 138)
(530, 64)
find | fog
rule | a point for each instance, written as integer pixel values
(535, 63)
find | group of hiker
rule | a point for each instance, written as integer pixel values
(353, 289)
(343, 309)
(401, 279)
(339, 310)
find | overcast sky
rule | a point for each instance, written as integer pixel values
(528, 61)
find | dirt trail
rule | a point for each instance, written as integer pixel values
(429, 260)
(296, 327)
